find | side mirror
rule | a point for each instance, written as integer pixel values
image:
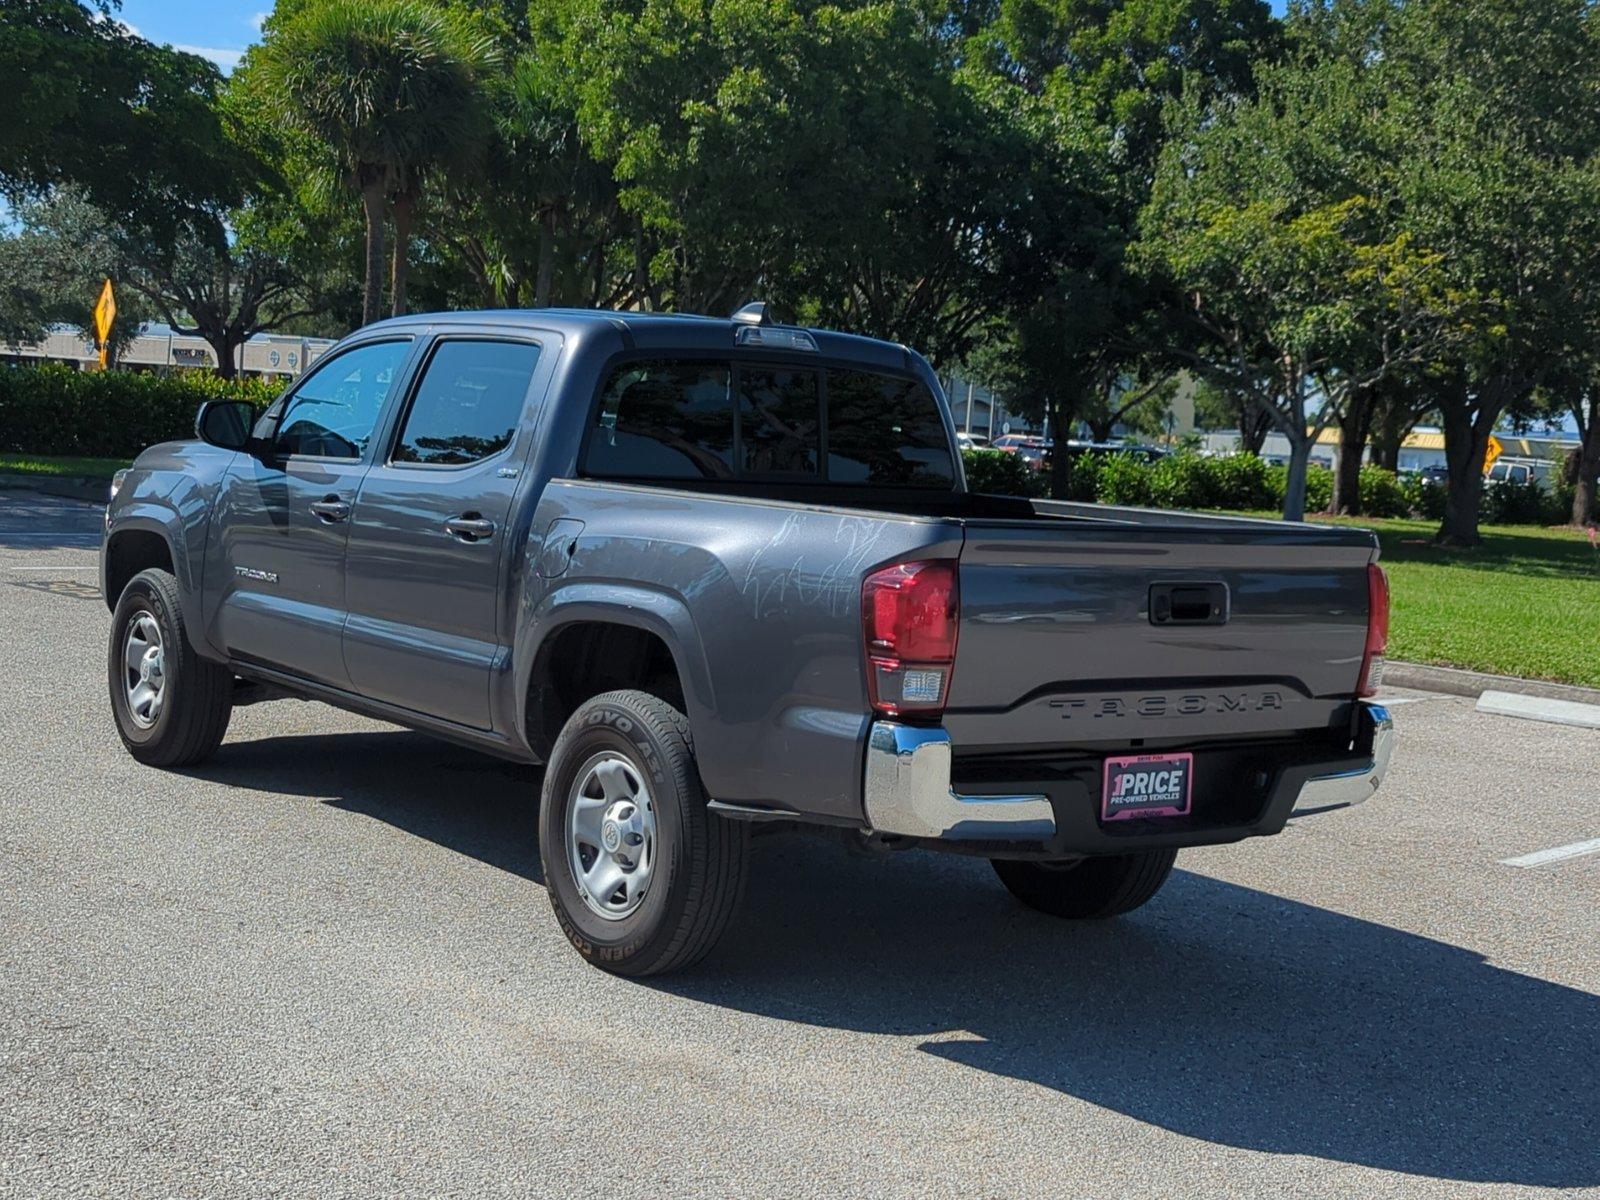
(225, 423)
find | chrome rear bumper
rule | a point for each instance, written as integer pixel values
(907, 789)
(908, 793)
(1344, 788)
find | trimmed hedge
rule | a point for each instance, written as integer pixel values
(54, 409)
(1243, 481)
(1003, 474)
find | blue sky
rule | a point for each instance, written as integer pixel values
(216, 29)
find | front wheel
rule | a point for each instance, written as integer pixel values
(642, 877)
(171, 706)
(1104, 886)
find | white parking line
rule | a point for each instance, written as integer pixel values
(1556, 854)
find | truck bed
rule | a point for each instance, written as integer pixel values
(1057, 648)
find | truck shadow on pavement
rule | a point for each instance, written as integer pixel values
(1219, 1012)
(469, 803)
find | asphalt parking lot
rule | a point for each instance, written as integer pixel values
(323, 965)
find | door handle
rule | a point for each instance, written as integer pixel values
(330, 510)
(470, 528)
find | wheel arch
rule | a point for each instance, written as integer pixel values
(137, 544)
(595, 638)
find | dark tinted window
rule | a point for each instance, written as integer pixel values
(331, 415)
(664, 420)
(779, 421)
(468, 403)
(885, 430)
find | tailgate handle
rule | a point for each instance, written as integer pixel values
(1188, 604)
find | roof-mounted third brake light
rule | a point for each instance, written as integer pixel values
(755, 329)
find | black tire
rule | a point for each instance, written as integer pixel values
(196, 694)
(1091, 888)
(698, 871)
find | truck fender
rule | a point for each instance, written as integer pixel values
(148, 518)
(635, 605)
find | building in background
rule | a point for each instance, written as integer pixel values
(979, 411)
(160, 348)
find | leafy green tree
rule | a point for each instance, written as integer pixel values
(1217, 406)
(831, 158)
(1276, 218)
(1495, 98)
(391, 89)
(88, 103)
(543, 223)
(1142, 404)
(53, 266)
(1095, 78)
(218, 286)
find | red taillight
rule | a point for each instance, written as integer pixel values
(909, 614)
(1377, 631)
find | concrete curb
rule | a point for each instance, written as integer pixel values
(1457, 682)
(71, 487)
(1540, 708)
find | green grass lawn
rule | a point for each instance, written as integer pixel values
(1526, 602)
(69, 466)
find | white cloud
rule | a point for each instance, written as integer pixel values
(226, 59)
(258, 20)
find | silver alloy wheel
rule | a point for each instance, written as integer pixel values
(611, 835)
(144, 673)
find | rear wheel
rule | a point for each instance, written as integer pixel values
(1102, 886)
(171, 706)
(643, 878)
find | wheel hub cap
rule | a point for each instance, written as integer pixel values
(144, 672)
(611, 834)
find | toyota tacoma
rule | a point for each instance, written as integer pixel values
(722, 575)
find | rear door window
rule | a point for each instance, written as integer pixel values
(469, 403)
(664, 420)
(887, 430)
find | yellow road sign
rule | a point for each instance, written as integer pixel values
(1494, 451)
(105, 312)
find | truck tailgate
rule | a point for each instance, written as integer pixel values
(1058, 647)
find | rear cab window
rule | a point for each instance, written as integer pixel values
(726, 420)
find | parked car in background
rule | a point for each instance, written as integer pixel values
(971, 441)
(1016, 441)
(1519, 470)
(1147, 454)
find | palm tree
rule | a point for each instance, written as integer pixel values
(393, 89)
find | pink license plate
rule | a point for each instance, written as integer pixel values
(1147, 785)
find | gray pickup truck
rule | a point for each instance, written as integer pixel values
(722, 575)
